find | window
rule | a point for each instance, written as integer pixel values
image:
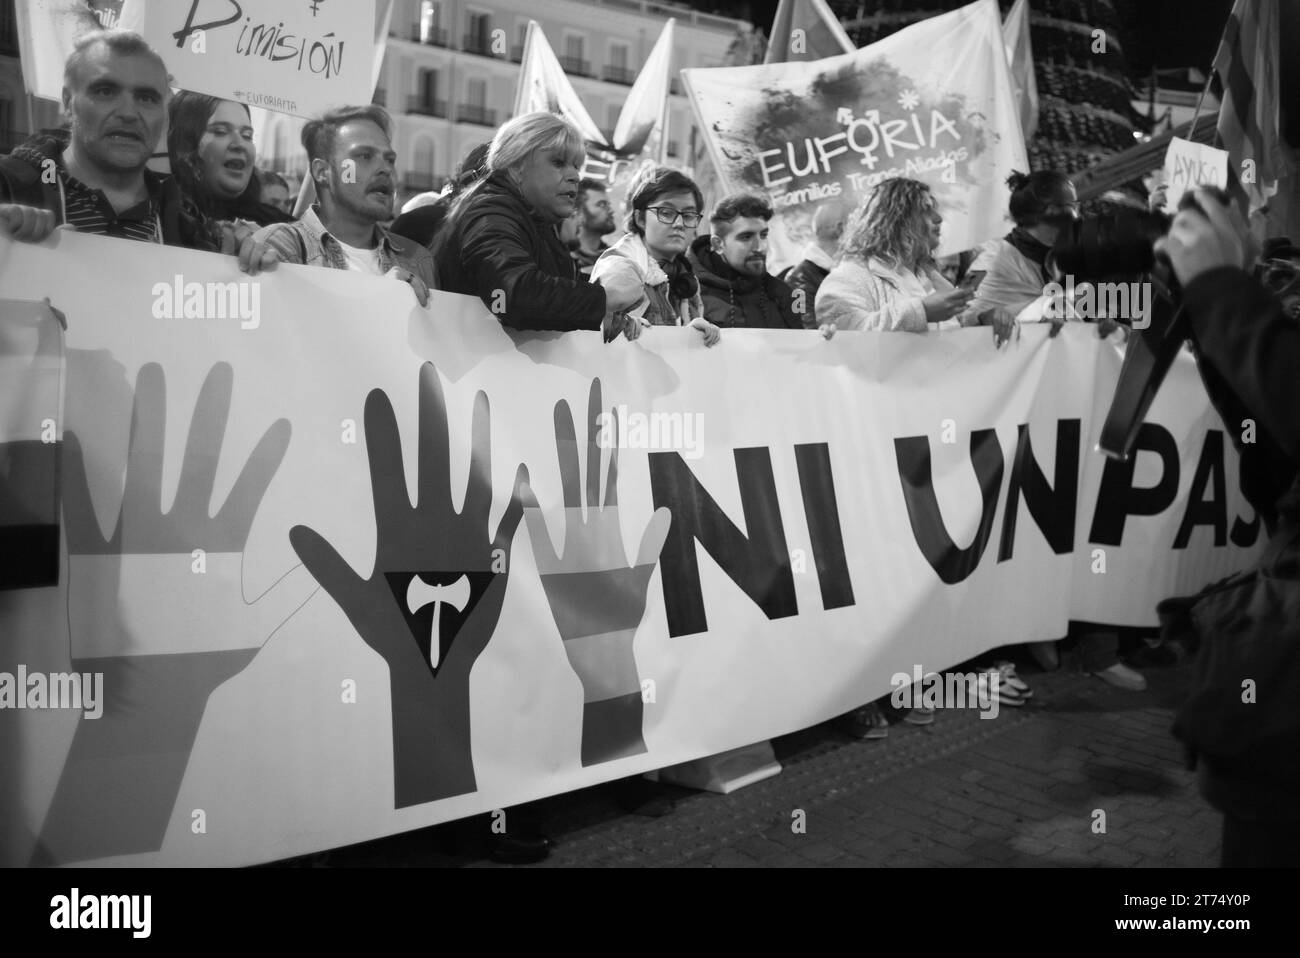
(423, 156)
(476, 93)
(618, 56)
(428, 21)
(573, 46)
(428, 86)
(480, 30)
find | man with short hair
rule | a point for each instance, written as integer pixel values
(597, 221)
(92, 177)
(818, 258)
(731, 265)
(352, 163)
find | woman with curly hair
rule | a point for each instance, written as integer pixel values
(664, 210)
(887, 279)
(210, 144)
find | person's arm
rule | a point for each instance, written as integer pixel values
(507, 278)
(1243, 333)
(858, 299)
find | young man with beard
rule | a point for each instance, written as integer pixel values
(597, 221)
(352, 162)
(731, 264)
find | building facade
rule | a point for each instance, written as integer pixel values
(451, 67)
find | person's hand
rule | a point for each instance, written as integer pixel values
(26, 223)
(622, 291)
(941, 306)
(253, 252)
(1107, 326)
(711, 333)
(408, 276)
(827, 330)
(1198, 243)
(1156, 201)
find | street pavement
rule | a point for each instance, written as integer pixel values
(1083, 775)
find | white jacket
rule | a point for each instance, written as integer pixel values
(875, 296)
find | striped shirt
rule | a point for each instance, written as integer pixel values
(89, 211)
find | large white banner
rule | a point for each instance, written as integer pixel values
(934, 102)
(336, 566)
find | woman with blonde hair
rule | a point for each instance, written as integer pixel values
(501, 239)
(665, 207)
(887, 278)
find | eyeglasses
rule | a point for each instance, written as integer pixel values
(668, 216)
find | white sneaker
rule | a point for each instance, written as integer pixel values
(1122, 677)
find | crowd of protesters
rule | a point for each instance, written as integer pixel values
(521, 230)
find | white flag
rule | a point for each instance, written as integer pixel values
(641, 126)
(1015, 34)
(544, 86)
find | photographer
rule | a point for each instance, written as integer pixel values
(1248, 350)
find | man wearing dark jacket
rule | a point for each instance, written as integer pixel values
(1248, 352)
(731, 265)
(818, 258)
(93, 177)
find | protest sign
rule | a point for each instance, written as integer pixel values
(292, 56)
(348, 566)
(1189, 165)
(933, 102)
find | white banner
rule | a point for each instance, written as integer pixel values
(933, 102)
(343, 566)
(292, 56)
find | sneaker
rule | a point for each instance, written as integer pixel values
(921, 715)
(1122, 677)
(1012, 681)
(991, 684)
(867, 722)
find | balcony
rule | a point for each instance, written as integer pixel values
(423, 106)
(480, 44)
(576, 66)
(474, 113)
(434, 38)
(621, 75)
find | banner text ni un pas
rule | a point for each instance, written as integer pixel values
(334, 566)
(933, 102)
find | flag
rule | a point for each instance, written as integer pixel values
(383, 18)
(31, 443)
(806, 30)
(1247, 67)
(642, 124)
(47, 32)
(1015, 34)
(544, 86)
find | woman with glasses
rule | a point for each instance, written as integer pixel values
(664, 210)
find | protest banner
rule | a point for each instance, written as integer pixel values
(292, 56)
(344, 566)
(933, 102)
(1189, 165)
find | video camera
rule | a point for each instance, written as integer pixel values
(1106, 248)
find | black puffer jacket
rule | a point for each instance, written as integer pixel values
(495, 248)
(731, 299)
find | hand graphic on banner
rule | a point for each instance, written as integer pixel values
(596, 599)
(163, 656)
(432, 600)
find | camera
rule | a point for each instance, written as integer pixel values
(1102, 249)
